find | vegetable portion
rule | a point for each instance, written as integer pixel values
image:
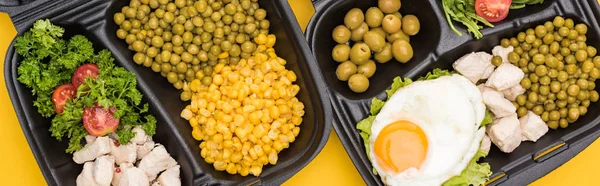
(463, 11)
(518, 4)
(492, 10)
(103, 97)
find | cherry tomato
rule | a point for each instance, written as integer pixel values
(492, 10)
(99, 121)
(61, 95)
(84, 71)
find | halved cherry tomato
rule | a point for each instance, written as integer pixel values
(84, 71)
(61, 95)
(492, 10)
(99, 121)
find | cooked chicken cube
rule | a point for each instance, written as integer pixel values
(170, 177)
(140, 136)
(475, 66)
(505, 76)
(90, 152)
(124, 153)
(156, 161)
(143, 150)
(505, 133)
(502, 52)
(132, 176)
(532, 127)
(486, 143)
(482, 88)
(497, 103)
(89, 139)
(103, 170)
(86, 178)
(117, 175)
(512, 92)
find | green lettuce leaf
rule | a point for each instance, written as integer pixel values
(474, 174)
(487, 119)
(376, 105)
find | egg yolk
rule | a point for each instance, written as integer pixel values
(400, 146)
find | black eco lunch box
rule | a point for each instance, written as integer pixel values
(437, 46)
(94, 19)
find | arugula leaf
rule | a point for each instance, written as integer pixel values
(474, 174)
(463, 11)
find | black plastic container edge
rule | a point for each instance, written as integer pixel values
(523, 170)
(24, 15)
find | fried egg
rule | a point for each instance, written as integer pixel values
(427, 132)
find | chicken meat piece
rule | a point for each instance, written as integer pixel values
(89, 139)
(117, 176)
(512, 92)
(475, 66)
(91, 151)
(502, 52)
(132, 176)
(143, 150)
(86, 177)
(532, 127)
(170, 177)
(482, 88)
(500, 106)
(140, 136)
(486, 143)
(156, 161)
(124, 153)
(505, 76)
(505, 133)
(103, 170)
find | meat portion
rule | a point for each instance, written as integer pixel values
(117, 175)
(502, 52)
(505, 133)
(140, 136)
(512, 92)
(132, 176)
(500, 106)
(505, 76)
(170, 177)
(143, 150)
(90, 152)
(474, 66)
(86, 177)
(486, 143)
(156, 161)
(103, 170)
(124, 153)
(532, 127)
(89, 139)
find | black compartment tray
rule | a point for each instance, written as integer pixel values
(93, 18)
(437, 46)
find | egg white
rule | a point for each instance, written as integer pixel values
(449, 110)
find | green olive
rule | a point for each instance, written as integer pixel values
(354, 18)
(389, 6)
(398, 35)
(410, 25)
(392, 24)
(358, 83)
(385, 54)
(360, 53)
(341, 52)
(368, 69)
(402, 51)
(358, 33)
(345, 70)
(375, 41)
(379, 31)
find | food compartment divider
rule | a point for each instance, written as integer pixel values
(516, 168)
(94, 19)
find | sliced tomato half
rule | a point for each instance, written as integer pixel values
(84, 71)
(99, 121)
(492, 10)
(61, 95)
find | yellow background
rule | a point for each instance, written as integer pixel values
(331, 167)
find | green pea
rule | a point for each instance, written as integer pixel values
(545, 116)
(594, 96)
(533, 97)
(521, 111)
(539, 59)
(513, 57)
(545, 80)
(541, 70)
(573, 113)
(496, 60)
(521, 100)
(505, 43)
(526, 83)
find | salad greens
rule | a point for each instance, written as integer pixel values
(518, 4)
(474, 174)
(463, 11)
(49, 61)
